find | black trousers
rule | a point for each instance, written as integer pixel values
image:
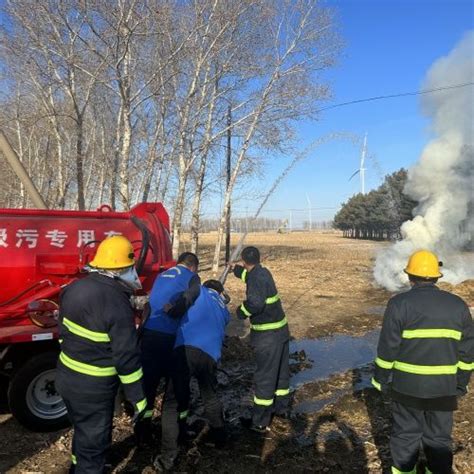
(189, 362)
(414, 428)
(91, 414)
(156, 355)
(272, 375)
(193, 362)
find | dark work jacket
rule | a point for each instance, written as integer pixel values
(426, 345)
(98, 335)
(260, 287)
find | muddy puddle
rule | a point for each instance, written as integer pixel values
(316, 360)
(331, 355)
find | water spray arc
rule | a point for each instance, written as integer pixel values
(361, 170)
(299, 157)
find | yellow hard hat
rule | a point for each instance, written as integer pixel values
(114, 252)
(424, 264)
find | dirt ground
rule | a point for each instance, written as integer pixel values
(338, 423)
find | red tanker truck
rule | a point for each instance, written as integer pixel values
(41, 251)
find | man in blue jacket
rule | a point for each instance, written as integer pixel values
(197, 351)
(173, 292)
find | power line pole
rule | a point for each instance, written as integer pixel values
(310, 213)
(362, 162)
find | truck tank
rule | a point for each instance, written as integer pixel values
(41, 251)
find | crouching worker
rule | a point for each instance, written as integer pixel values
(424, 362)
(197, 351)
(99, 349)
(269, 337)
(173, 292)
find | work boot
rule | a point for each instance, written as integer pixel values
(282, 415)
(247, 423)
(164, 463)
(186, 433)
(217, 437)
(143, 433)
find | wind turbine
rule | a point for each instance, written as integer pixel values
(361, 170)
(310, 214)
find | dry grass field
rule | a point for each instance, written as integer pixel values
(339, 424)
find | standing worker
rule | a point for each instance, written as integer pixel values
(197, 351)
(269, 338)
(173, 292)
(424, 361)
(99, 349)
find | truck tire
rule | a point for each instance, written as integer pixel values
(32, 397)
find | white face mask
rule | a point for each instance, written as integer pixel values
(130, 277)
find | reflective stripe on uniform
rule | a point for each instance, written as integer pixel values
(262, 401)
(245, 310)
(73, 459)
(141, 405)
(86, 368)
(431, 333)
(397, 471)
(269, 326)
(422, 369)
(425, 369)
(376, 384)
(85, 333)
(383, 363)
(281, 392)
(133, 377)
(273, 299)
(465, 366)
(243, 276)
(183, 414)
(148, 414)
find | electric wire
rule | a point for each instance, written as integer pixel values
(391, 96)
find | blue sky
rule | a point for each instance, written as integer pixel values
(389, 46)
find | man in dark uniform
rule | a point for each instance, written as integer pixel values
(424, 361)
(269, 338)
(99, 349)
(197, 351)
(173, 292)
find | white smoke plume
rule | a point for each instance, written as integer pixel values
(443, 179)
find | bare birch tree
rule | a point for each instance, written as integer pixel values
(127, 100)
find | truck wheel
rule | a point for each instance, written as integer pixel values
(32, 396)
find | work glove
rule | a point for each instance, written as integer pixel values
(133, 412)
(240, 314)
(386, 388)
(138, 416)
(383, 387)
(461, 391)
(238, 270)
(225, 297)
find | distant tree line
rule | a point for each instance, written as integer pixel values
(379, 214)
(240, 224)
